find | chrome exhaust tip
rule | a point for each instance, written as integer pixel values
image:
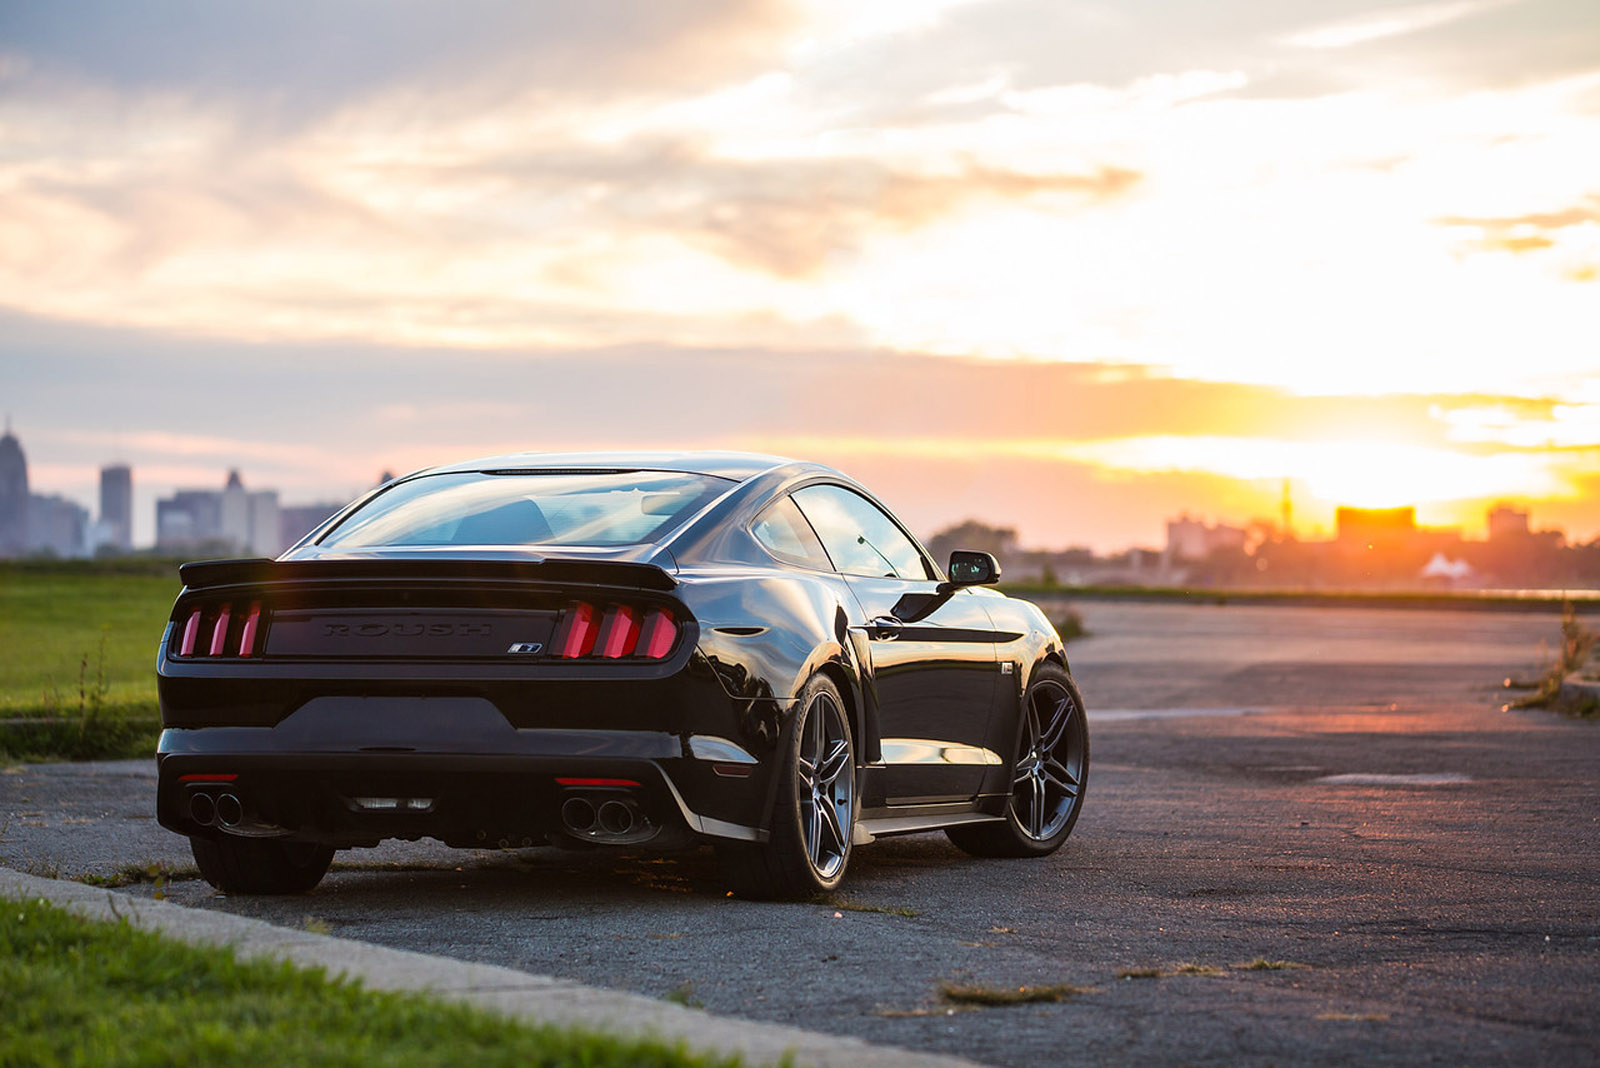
(616, 817)
(230, 811)
(202, 809)
(578, 814)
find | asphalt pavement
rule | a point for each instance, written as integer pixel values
(1311, 835)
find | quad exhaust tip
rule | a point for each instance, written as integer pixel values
(202, 809)
(229, 810)
(578, 814)
(615, 817)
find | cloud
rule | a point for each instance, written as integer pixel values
(1392, 22)
(1529, 232)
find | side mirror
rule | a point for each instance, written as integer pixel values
(973, 568)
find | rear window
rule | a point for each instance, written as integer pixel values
(528, 508)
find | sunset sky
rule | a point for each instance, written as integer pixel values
(1072, 267)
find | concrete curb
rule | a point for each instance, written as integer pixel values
(535, 999)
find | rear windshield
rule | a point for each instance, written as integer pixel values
(568, 508)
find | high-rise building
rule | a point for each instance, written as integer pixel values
(232, 520)
(116, 507)
(13, 495)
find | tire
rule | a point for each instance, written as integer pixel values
(814, 815)
(1049, 773)
(260, 865)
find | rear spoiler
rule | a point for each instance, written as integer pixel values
(206, 574)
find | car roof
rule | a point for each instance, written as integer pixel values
(737, 466)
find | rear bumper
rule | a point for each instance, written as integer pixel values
(508, 793)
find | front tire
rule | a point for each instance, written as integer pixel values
(813, 819)
(260, 865)
(1049, 774)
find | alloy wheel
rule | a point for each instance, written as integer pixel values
(825, 785)
(1049, 768)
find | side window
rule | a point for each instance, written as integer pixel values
(784, 532)
(860, 538)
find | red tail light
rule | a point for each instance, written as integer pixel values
(247, 638)
(577, 633)
(619, 633)
(660, 633)
(622, 630)
(206, 631)
(191, 633)
(219, 631)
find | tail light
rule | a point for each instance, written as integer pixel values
(221, 630)
(618, 632)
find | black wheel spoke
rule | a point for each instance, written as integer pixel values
(1058, 724)
(1056, 773)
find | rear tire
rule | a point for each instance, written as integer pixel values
(260, 865)
(813, 819)
(1050, 769)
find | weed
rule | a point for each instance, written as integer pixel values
(1577, 643)
(315, 926)
(1196, 969)
(856, 906)
(683, 994)
(157, 873)
(1261, 964)
(974, 994)
(1140, 973)
(1069, 624)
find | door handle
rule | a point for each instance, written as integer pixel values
(884, 628)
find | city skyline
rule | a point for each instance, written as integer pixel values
(1060, 265)
(1181, 529)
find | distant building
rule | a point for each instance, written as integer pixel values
(115, 528)
(1506, 522)
(233, 520)
(57, 527)
(13, 496)
(1190, 539)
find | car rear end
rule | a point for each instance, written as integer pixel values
(480, 696)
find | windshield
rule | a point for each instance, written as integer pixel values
(528, 508)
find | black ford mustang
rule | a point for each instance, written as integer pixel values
(612, 649)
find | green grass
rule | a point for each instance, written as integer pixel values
(77, 657)
(81, 992)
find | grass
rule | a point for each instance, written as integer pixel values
(975, 994)
(83, 992)
(77, 676)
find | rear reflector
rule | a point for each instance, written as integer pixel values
(206, 778)
(596, 782)
(620, 631)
